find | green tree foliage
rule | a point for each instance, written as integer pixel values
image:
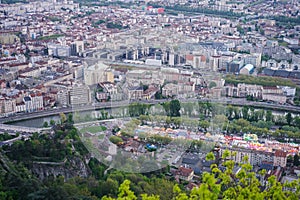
(137, 109)
(269, 116)
(70, 118)
(212, 84)
(264, 81)
(289, 20)
(297, 121)
(51, 37)
(52, 122)
(6, 136)
(200, 10)
(240, 30)
(204, 124)
(210, 156)
(296, 160)
(172, 108)
(289, 118)
(175, 108)
(126, 194)
(17, 181)
(226, 184)
(45, 124)
(115, 139)
(114, 25)
(63, 118)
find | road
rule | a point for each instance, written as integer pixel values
(15, 129)
(233, 101)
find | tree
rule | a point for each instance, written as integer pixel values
(125, 192)
(210, 156)
(269, 116)
(229, 111)
(109, 187)
(297, 122)
(115, 139)
(45, 124)
(296, 160)
(63, 118)
(245, 112)
(204, 124)
(242, 122)
(179, 195)
(219, 121)
(260, 114)
(240, 30)
(212, 84)
(70, 118)
(175, 108)
(52, 122)
(289, 118)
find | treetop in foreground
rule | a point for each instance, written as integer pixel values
(225, 184)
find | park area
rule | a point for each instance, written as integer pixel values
(93, 129)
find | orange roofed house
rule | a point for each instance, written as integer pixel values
(186, 174)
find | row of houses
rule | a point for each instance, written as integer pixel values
(138, 92)
(172, 89)
(30, 103)
(269, 93)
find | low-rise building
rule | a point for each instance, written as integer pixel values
(135, 93)
(186, 174)
(170, 90)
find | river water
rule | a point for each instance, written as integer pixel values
(91, 115)
(77, 117)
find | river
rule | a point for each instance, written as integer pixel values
(90, 115)
(77, 117)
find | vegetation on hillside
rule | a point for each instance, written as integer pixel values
(225, 184)
(17, 180)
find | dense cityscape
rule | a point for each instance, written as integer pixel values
(129, 99)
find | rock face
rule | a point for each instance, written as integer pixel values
(69, 168)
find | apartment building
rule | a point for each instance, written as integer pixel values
(135, 93)
(33, 102)
(79, 95)
(256, 157)
(7, 106)
(280, 158)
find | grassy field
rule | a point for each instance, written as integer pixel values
(55, 36)
(93, 129)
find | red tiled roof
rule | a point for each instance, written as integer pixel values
(280, 153)
(184, 171)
